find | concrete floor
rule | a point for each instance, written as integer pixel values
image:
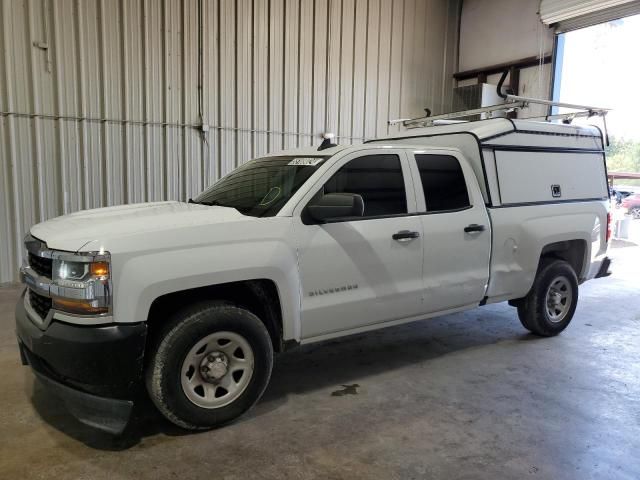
(464, 396)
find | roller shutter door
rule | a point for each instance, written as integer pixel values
(568, 15)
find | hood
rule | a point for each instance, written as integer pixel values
(78, 231)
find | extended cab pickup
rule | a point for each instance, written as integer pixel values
(189, 301)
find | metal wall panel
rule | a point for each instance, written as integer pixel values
(104, 102)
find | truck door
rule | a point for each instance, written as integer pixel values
(456, 230)
(360, 272)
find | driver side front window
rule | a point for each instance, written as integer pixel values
(377, 179)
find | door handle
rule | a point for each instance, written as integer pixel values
(405, 235)
(474, 227)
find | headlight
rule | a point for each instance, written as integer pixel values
(74, 273)
(82, 287)
(69, 271)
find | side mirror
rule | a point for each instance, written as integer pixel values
(336, 205)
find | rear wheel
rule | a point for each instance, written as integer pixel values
(550, 304)
(212, 365)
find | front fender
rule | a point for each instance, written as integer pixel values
(146, 276)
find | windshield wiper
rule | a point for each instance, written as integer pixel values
(210, 203)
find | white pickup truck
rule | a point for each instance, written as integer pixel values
(191, 300)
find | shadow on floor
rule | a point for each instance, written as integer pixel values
(330, 365)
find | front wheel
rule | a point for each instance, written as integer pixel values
(550, 304)
(211, 366)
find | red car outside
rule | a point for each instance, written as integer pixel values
(632, 205)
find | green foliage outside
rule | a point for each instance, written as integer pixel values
(623, 156)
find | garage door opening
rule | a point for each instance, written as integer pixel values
(594, 65)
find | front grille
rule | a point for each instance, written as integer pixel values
(40, 304)
(42, 266)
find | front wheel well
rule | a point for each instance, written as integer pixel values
(259, 296)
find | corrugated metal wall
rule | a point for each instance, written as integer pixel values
(102, 101)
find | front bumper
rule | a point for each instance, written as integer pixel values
(96, 370)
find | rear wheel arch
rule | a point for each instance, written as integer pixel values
(574, 252)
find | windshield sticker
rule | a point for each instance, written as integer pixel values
(271, 196)
(306, 161)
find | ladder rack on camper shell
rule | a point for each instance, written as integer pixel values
(512, 103)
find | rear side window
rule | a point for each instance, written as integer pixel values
(443, 182)
(377, 179)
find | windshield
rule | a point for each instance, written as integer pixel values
(261, 187)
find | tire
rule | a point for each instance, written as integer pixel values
(550, 304)
(199, 345)
(635, 213)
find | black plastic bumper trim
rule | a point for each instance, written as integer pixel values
(95, 369)
(604, 268)
(104, 360)
(108, 414)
